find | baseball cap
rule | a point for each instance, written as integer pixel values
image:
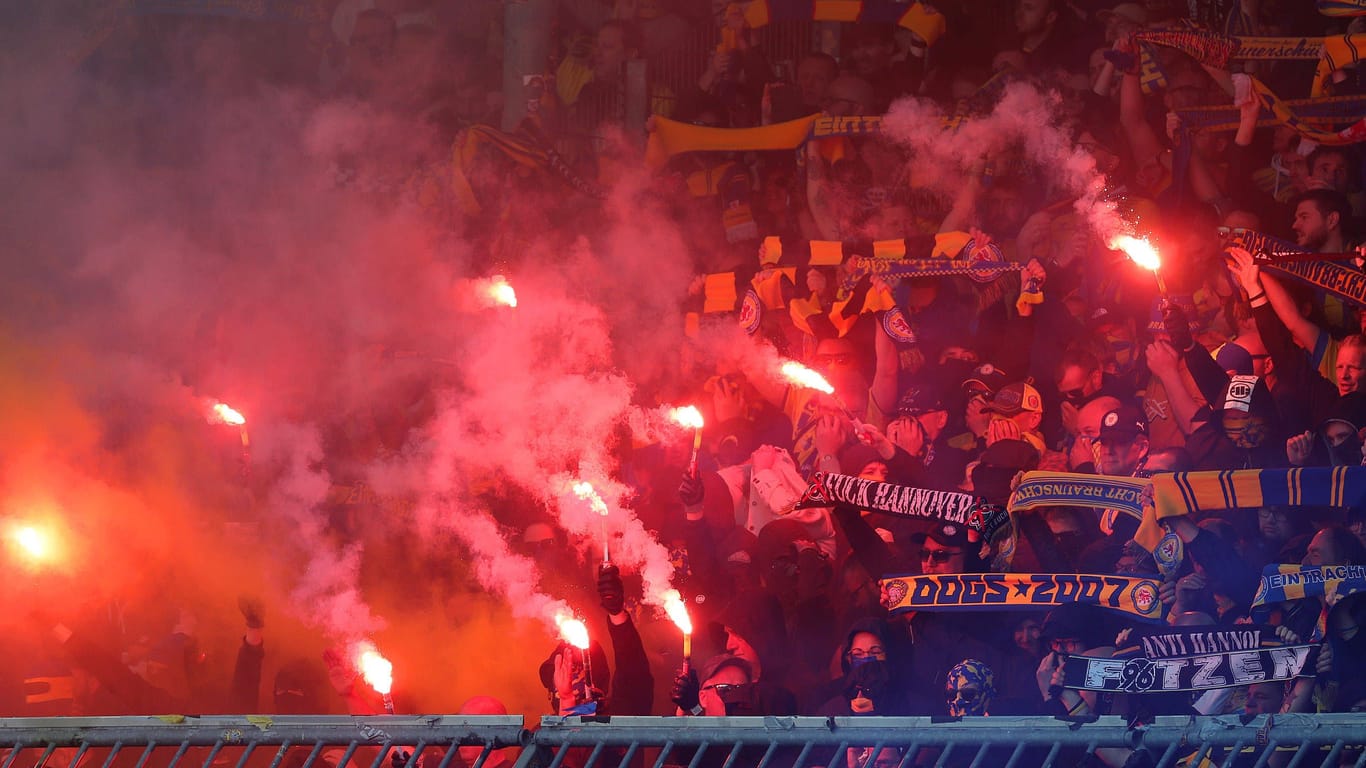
(918, 400)
(1123, 423)
(950, 535)
(1232, 357)
(987, 376)
(1016, 398)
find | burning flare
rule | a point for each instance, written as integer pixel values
(501, 292)
(687, 416)
(678, 612)
(225, 414)
(32, 542)
(802, 376)
(377, 670)
(573, 631)
(584, 490)
(1139, 249)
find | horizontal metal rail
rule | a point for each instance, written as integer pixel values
(696, 742)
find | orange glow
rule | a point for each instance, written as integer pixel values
(573, 631)
(1139, 249)
(584, 490)
(35, 543)
(501, 292)
(225, 414)
(678, 612)
(687, 416)
(377, 671)
(802, 376)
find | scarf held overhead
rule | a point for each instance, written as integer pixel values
(1202, 672)
(828, 489)
(1183, 493)
(1135, 596)
(1340, 280)
(1283, 583)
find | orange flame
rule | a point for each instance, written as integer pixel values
(584, 490)
(227, 415)
(377, 670)
(805, 377)
(1139, 249)
(687, 416)
(501, 292)
(33, 543)
(677, 611)
(573, 631)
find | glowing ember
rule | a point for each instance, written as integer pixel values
(805, 377)
(687, 416)
(573, 631)
(584, 490)
(1140, 250)
(678, 612)
(501, 292)
(34, 543)
(227, 415)
(377, 670)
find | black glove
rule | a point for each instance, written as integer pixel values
(1178, 327)
(690, 491)
(399, 758)
(252, 611)
(686, 691)
(611, 593)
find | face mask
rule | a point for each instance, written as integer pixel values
(1244, 431)
(869, 676)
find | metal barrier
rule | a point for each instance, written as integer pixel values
(753, 742)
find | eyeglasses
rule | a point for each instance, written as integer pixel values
(1064, 644)
(938, 555)
(876, 652)
(836, 359)
(967, 695)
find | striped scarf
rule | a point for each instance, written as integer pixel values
(1284, 583)
(522, 150)
(1216, 50)
(1318, 116)
(1183, 493)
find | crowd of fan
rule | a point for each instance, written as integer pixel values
(1102, 376)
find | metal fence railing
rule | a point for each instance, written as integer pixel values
(739, 742)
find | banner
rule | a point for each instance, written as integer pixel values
(1183, 493)
(1216, 50)
(1200, 671)
(1067, 489)
(828, 489)
(1135, 596)
(1278, 256)
(1283, 583)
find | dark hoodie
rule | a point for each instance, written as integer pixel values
(757, 617)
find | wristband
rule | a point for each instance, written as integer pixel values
(1260, 294)
(696, 710)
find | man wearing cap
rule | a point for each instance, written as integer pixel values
(979, 388)
(1021, 405)
(918, 429)
(1123, 441)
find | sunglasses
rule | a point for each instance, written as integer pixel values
(724, 688)
(1073, 395)
(938, 555)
